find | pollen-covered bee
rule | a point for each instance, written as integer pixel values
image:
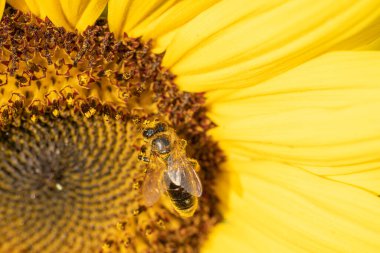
(170, 170)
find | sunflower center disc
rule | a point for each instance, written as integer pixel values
(72, 107)
(64, 183)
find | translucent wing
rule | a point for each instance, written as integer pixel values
(166, 181)
(181, 171)
(152, 186)
(176, 164)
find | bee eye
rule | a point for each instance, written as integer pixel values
(149, 132)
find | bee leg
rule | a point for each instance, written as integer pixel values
(182, 143)
(143, 149)
(195, 164)
(142, 156)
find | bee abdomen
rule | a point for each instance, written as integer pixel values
(184, 203)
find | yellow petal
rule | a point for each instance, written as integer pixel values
(161, 24)
(273, 207)
(153, 19)
(2, 5)
(71, 14)
(368, 180)
(91, 12)
(241, 43)
(33, 6)
(322, 115)
(123, 15)
(19, 4)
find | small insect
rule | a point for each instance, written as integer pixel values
(170, 171)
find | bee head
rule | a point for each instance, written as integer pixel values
(161, 144)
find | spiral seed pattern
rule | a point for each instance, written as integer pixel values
(64, 183)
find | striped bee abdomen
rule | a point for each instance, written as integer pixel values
(183, 202)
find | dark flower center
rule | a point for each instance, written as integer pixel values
(72, 109)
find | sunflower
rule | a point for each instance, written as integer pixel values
(277, 101)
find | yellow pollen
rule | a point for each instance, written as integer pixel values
(33, 118)
(55, 113)
(91, 112)
(121, 226)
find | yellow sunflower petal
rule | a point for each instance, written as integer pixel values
(20, 5)
(72, 14)
(279, 208)
(2, 5)
(124, 15)
(368, 180)
(91, 12)
(241, 43)
(161, 24)
(153, 19)
(322, 115)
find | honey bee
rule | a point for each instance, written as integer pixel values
(170, 171)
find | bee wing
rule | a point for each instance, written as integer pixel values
(181, 172)
(152, 186)
(176, 164)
